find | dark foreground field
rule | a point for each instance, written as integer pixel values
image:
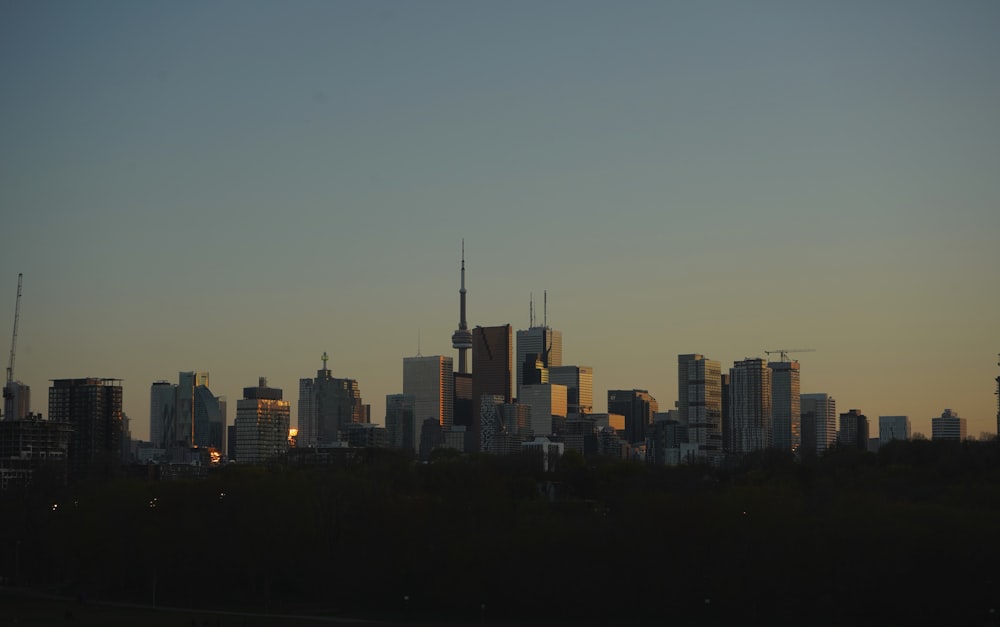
(904, 537)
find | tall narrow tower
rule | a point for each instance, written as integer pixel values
(462, 338)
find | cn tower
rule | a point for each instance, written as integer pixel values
(462, 338)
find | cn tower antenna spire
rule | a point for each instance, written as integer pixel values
(461, 339)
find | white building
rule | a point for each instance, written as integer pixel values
(948, 427)
(893, 428)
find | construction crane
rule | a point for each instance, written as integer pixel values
(783, 352)
(8, 389)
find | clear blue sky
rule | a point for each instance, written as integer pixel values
(239, 186)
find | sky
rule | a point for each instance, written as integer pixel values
(238, 186)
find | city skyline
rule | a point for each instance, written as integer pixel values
(235, 190)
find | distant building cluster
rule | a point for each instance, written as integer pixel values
(513, 394)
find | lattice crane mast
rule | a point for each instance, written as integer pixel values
(8, 389)
(783, 352)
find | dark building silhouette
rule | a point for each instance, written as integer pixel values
(463, 400)
(492, 351)
(93, 407)
(327, 405)
(853, 430)
(638, 408)
(31, 445)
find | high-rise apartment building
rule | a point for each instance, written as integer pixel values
(638, 407)
(543, 341)
(786, 410)
(579, 382)
(699, 403)
(326, 406)
(948, 427)
(750, 405)
(893, 428)
(262, 422)
(819, 424)
(431, 382)
(93, 407)
(853, 431)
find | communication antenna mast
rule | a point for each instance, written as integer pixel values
(13, 339)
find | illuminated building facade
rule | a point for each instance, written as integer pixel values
(431, 382)
(579, 382)
(547, 400)
(262, 424)
(699, 403)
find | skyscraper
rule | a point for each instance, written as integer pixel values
(162, 413)
(638, 407)
(400, 421)
(699, 402)
(786, 405)
(329, 405)
(491, 370)
(853, 431)
(893, 428)
(750, 405)
(819, 423)
(461, 340)
(94, 409)
(546, 401)
(543, 341)
(579, 382)
(431, 382)
(200, 415)
(262, 421)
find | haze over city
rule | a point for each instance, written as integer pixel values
(237, 187)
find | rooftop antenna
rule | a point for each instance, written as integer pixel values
(324, 358)
(418, 343)
(531, 310)
(545, 310)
